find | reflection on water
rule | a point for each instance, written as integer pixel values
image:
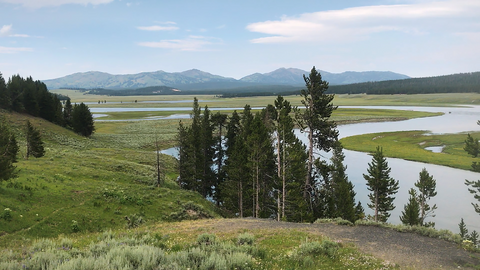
(435, 149)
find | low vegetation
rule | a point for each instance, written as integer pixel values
(186, 245)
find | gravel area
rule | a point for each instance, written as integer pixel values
(407, 250)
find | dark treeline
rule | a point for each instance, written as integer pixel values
(252, 164)
(33, 98)
(456, 83)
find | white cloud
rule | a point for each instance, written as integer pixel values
(10, 50)
(352, 23)
(157, 28)
(191, 43)
(5, 30)
(20, 35)
(45, 3)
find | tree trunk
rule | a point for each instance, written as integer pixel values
(257, 206)
(240, 198)
(158, 163)
(284, 184)
(310, 163)
(376, 205)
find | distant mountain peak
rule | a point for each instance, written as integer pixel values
(198, 79)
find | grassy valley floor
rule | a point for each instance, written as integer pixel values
(410, 145)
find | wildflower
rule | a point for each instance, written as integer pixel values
(21, 215)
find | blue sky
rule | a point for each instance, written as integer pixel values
(48, 39)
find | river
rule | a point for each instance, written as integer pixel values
(453, 199)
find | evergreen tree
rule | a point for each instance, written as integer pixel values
(34, 142)
(343, 193)
(463, 229)
(15, 88)
(82, 120)
(5, 102)
(235, 166)
(219, 121)
(472, 146)
(291, 159)
(314, 120)
(8, 151)
(359, 211)
(207, 152)
(411, 214)
(475, 190)
(260, 163)
(186, 162)
(295, 158)
(67, 114)
(381, 185)
(30, 100)
(474, 238)
(426, 186)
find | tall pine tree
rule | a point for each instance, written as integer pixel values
(5, 102)
(34, 142)
(8, 151)
(381, 185)
(411, 211)
(82, 120)
(343, 193)
(315, 121)
(426, 185)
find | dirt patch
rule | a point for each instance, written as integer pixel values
(408, 250)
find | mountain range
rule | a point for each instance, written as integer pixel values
(195, 79)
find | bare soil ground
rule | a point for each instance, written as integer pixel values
(407, 250)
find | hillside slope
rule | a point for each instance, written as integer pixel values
(97, 181)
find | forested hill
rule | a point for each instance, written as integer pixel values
(456, 83)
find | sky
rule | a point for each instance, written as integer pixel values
(48, 39)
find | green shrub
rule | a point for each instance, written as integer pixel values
(245, 239)
(7, 214)
(133, 221)
(326, 248)
(74, 226)
(43, 244)
(214, 262)
(338, 221)
(206, 239)
(240, 261)
(190, 211)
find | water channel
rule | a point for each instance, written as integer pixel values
(453, 199)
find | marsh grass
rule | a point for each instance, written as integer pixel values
(410, 145)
